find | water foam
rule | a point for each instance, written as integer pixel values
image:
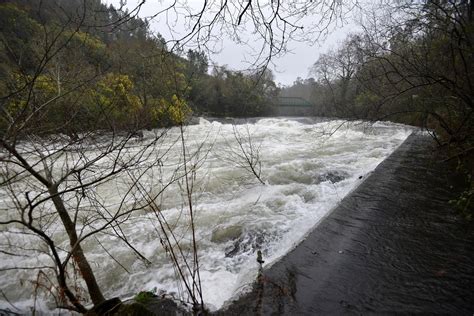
(307, 169)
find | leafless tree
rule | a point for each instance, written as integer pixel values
(266, 27)
(243, 152)
(53, 179)
(423, 54)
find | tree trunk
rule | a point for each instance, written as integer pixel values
(78, 254)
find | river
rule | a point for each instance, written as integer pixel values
(307, 166)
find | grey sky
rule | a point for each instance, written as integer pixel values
(295, 63)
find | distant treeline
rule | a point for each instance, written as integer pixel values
(415, 65)
(72, 66)
(417, 68)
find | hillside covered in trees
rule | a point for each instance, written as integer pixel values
(74, 66)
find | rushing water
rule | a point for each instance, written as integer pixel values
(307, 166)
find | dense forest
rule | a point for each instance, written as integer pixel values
(74, 66)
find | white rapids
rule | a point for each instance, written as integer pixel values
(308, 166)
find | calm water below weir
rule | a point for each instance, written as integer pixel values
(307, 166)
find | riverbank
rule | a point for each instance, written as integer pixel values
(394, 245)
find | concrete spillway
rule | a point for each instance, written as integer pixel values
(394, 245)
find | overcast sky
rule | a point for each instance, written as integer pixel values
(295, 63)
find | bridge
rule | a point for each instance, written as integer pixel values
(294, 106)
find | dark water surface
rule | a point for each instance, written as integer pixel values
(394, 245)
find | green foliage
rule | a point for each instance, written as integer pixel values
(75, 72)
(16, 23)
(197, 64)
(86, 40)
(18, 38)
(115, 101)
(234, 93)
(172, 112)
(86, 46)
(29, 103)
(145, 296)
(114, 92)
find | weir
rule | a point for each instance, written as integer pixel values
(308, 166)
(394, 245)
